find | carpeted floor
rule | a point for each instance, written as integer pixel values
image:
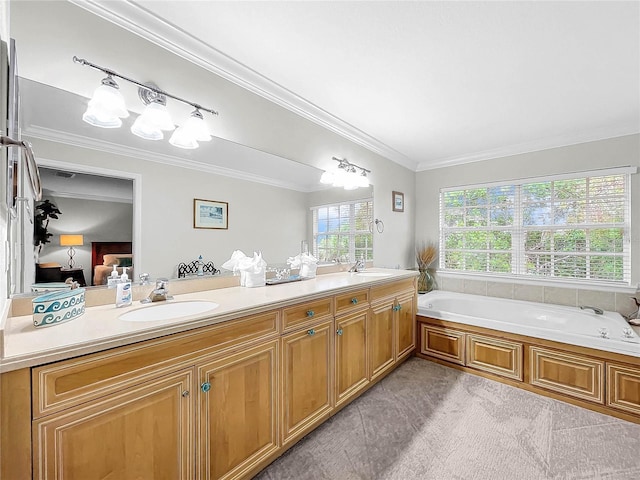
(426, 421)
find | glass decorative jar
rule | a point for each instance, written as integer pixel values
(426, 282)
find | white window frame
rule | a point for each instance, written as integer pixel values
(352, 229)
(518, 231)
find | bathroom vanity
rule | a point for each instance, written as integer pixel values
(214, 395)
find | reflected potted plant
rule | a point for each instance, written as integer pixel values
(44, 212)
(426, 254)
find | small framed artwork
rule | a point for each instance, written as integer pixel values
(398, 201)
(210, 214)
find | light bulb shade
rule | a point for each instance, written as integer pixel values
(71, 240)
(196, 127)
(101, 119)
(143, 130)
(155, 116)
(182, 138)
(363, 181)
(107, 98)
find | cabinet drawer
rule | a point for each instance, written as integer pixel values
(298, 315)
(393, 289)
(573, 375)
(70, 382)
(494, 355)
(442, 343)
(351, 301)
(623, 387)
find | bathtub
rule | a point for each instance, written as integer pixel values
(550, 322)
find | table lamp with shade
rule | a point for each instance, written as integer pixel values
(71, 241)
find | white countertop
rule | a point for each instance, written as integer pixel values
(100, 328)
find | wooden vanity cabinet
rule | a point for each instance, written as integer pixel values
(405, 320)
(144, 431)
(391, 325)
(307, 378)
(351, 360)
(237, 401)
(217, 402)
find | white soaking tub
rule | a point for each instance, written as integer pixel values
(551, 322)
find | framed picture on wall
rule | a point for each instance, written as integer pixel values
(398, 201)
(210, 214)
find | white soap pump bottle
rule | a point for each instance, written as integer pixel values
(114, 278)
(124, 295)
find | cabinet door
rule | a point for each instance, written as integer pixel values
(143, 432)
(237, 416)
(351, 355)
(381, 339)
(405, 326)
(307, 380)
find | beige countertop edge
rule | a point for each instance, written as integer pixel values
(25, 346)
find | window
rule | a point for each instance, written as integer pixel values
(342, 231)
(563, 227)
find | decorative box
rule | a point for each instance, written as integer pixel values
(58, 307)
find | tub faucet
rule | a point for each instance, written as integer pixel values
(596, 310)
(160, 293)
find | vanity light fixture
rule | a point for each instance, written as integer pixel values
(107, 107)
(346, 175)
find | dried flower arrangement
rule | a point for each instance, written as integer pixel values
(426, 254)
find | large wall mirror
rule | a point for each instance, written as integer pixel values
(135, 205)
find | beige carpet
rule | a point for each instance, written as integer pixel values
(426, 421)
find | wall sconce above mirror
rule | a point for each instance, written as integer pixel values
(107, 107)
(347, 175)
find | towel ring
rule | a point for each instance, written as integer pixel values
(379, 225)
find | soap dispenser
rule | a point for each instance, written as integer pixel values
(114, 278)
(200, 266)
(123, 293)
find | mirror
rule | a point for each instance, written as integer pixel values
(269, 196)
(266, 213)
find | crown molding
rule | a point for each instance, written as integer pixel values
(52, 135)
(143, 23)
(87, 196)
(528, 147)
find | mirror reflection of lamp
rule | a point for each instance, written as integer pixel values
(71, 241)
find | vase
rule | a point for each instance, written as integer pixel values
(426, 281)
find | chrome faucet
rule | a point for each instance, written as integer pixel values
(358, 266)
(160, 293)
(596, 310)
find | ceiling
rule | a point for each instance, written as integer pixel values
(427, 84)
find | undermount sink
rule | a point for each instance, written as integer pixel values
(168, 311)
(373, 274)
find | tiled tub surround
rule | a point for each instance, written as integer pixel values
(568, 296)
(553, 350)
